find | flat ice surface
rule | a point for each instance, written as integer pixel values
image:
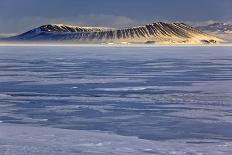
(123, 100)
(18, 140)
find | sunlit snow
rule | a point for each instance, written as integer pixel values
(115, 100)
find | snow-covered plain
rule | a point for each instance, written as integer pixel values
(115, 100)
(18, 140)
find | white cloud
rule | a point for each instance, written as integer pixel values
(107, 20)
(27, 23)
(207, 22)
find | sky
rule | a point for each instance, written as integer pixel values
(17, 16)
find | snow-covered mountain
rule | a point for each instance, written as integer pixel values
(221, 30)
(217, 27)
(164, 33)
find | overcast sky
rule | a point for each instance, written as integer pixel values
(20, 15)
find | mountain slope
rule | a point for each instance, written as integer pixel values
(163, 33)
(222, 30)
(217, 27)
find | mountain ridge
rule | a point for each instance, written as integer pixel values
(222, 30)
(160, 32)
(217, 27)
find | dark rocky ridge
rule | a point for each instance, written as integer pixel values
(66, 28)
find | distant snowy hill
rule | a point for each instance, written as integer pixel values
(217, 27)
(163, 33)
(221, 30)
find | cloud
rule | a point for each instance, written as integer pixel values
(5, 35)
(27, 23)
(21, 15)
(107, 20)
(23, 24)
(207, 22)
